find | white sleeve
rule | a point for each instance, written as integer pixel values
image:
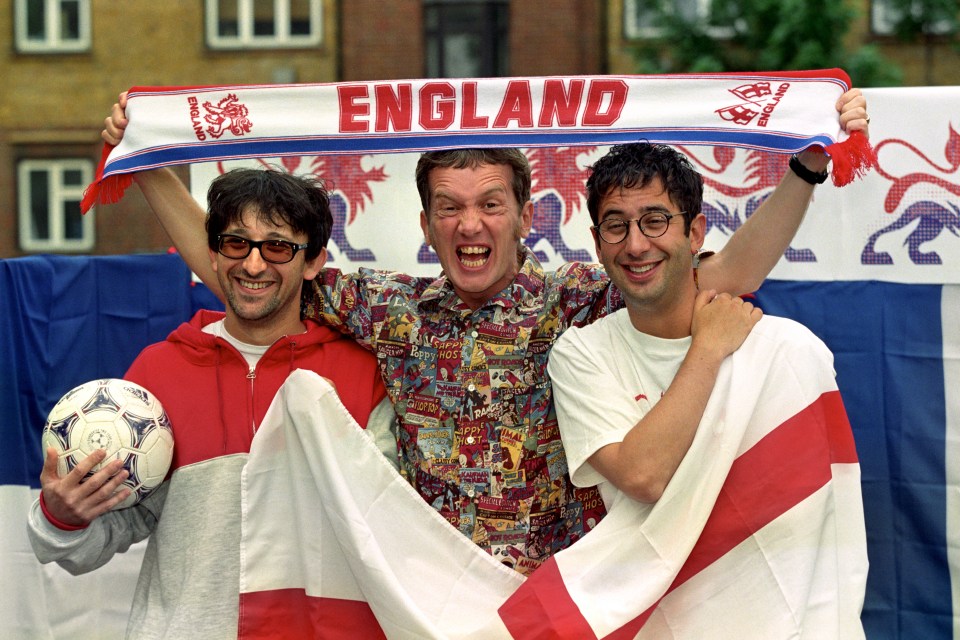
(382, 429)
(593, 408)
(90, 548)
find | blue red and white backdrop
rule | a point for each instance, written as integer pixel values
(874, 271)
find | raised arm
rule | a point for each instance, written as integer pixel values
(752, 252)
(179, 214)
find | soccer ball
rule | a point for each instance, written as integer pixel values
(120, 417)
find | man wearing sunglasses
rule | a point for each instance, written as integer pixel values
(215, 376)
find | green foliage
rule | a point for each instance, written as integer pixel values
(868, 62)
(759, 35)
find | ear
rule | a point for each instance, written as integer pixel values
(312, 267)
(698, 231)
(526, 219)
(425, 227)
(213, 259)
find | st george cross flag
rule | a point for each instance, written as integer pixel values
(759, 534)
(336, 544)
(771, 111)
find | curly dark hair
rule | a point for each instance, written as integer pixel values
(277, 197)
(634, 165)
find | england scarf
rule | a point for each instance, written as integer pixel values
(759, 534)
(772, 111)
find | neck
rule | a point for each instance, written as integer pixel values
(262, 333)
(670, 319)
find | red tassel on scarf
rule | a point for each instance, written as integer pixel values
(105, 190)
(851, 159)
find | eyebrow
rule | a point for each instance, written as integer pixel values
(243, 232)
(486, 194)
(656, 208)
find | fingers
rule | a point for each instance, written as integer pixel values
(87, 482)
(704, 298)
(50, 464)
(103, 489)
(115, 124)
(85, 466)
(77, 498)
(852, 106)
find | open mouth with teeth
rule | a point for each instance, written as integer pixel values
(641, 270)
(249, 284)
(473, 256)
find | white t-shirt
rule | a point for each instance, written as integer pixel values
(606, 376)
(250, 352)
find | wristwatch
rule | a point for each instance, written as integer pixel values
(805, 174)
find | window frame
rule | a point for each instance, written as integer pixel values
(247, 39)
(632, 31)
(883, 18)
(52, 42)
(58, 194)
(497, 28)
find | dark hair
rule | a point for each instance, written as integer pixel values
(277, 197)
(634, 165)
(469, 159)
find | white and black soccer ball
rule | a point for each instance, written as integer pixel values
(121, 417)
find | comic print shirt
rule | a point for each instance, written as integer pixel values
(478, 435)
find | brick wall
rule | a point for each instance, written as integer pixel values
(54, 105)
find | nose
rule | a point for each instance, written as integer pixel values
(470, 220)
(636, 242)
(254, 264)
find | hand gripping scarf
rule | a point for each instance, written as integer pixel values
(778, 111)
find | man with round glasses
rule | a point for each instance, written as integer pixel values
(215, 376)
(658, 361)
(481, 447)
(637, 196)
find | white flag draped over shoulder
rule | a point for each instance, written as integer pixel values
(785, 111)
(759, 534)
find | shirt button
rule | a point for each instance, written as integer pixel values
(474, 333)
(469, 439)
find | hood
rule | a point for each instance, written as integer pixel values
(201, 348)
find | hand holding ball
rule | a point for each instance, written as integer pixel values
(122, 418)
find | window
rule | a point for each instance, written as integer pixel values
(49, 205)
(52, 26)
(466, 39)
(640, 17)
(884, 16)
(234, 24)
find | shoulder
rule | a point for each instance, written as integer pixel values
(579, 275)
(369, 279)
(585, 342)
(783, 335)
(582, 290)
(781, 329)
(601, 329)
(156, 353)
